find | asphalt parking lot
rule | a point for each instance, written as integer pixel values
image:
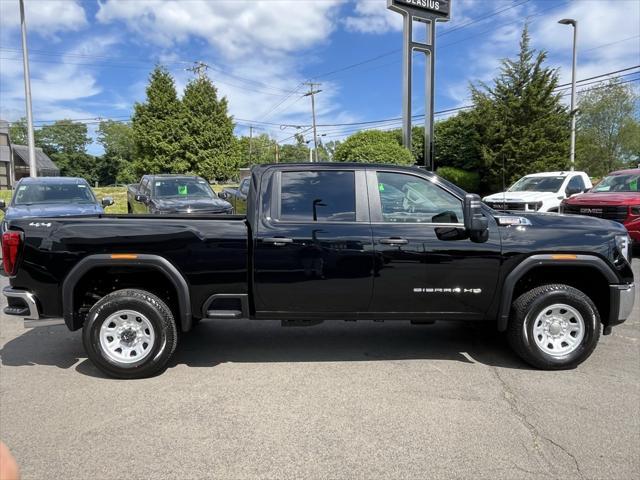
(339, 400)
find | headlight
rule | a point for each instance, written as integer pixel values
(634, 210)
(623, 244)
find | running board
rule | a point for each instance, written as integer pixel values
(229, 306)
(224, 314)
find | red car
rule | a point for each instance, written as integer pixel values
(616, 197)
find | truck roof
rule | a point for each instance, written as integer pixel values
(629, 171)
(52, 180)
(562, 173)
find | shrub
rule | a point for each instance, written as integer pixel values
(373, 146)
(468, 181)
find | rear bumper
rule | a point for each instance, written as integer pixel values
(23, 303)
(622, 299)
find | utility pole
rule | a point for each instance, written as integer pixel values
(277, 153)
(250, 143)
(33, 168)
(311, 93)
(199, 69)
(572, 152)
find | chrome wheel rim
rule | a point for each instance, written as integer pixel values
(127, 336)
(558, 330)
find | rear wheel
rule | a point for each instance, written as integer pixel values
(554, 327)
(130, 334)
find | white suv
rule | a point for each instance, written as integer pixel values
(540, 192)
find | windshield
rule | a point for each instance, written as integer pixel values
(182, 187)
(537, 184)
(618, 183)
(32, 194)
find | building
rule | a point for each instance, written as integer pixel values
(14, 160)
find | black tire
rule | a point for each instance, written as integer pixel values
(155, 311)
(526, 309)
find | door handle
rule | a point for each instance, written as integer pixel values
(277, 241)
(394, 241)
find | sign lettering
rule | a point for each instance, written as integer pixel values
(435, 7)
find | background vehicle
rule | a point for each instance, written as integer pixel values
(52, 197)
(616, 197)
(168, 194)
(324, 241)
(540, 192)
(238, 196)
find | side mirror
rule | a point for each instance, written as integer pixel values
(474, 221)
(141, 198)
(107, 201)
(3, 205)
(572, 191)
(222, 195)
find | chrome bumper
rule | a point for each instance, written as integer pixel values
(30, 311)
(627, 299)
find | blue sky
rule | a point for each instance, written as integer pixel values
(91, 59)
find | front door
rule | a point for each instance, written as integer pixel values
(313, 250)
(424, 263)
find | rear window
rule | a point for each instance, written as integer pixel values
(328, 196)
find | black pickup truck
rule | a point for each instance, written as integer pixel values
(174, 194)
(323, 241)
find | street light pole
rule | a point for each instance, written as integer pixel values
(33, 169)
(572, 152)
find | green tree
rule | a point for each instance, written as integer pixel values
(457, 143)
(373, 146)
(158, 128)
(258, 149)
(608, 131)
(65, 142)
(211, 150)
(519, 121)
(297, 152)
(115, 165)
(18, 132)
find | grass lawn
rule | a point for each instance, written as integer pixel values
(119, 195)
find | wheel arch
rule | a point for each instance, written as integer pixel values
(554, 262)
(155, 262)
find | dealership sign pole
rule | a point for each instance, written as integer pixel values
(427, 12)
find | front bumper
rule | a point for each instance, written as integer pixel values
(622, 299)
(23, 303)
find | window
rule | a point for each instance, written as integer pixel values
(33, 193)
(406, 198)
(538, 184)
(182, 187)
(142, 190)
(576, 184)
(244, 186)
(619, 183)
(325, 196)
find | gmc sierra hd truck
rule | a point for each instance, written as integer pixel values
(323, 241)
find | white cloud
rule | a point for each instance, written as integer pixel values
(234, 28)
(373, 17)
(45, 18)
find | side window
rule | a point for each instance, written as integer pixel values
(324, 196)
(576, 183)
(406, 198)
(143, 190)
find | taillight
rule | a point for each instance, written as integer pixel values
(11, 243)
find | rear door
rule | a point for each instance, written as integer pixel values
(424, 264)
(313, 251)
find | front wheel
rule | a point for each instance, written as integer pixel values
(130, 334)
(554, 327)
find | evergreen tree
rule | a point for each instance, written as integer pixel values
(520, 122)
(158, 132)
(211, 150)
(457, 143)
